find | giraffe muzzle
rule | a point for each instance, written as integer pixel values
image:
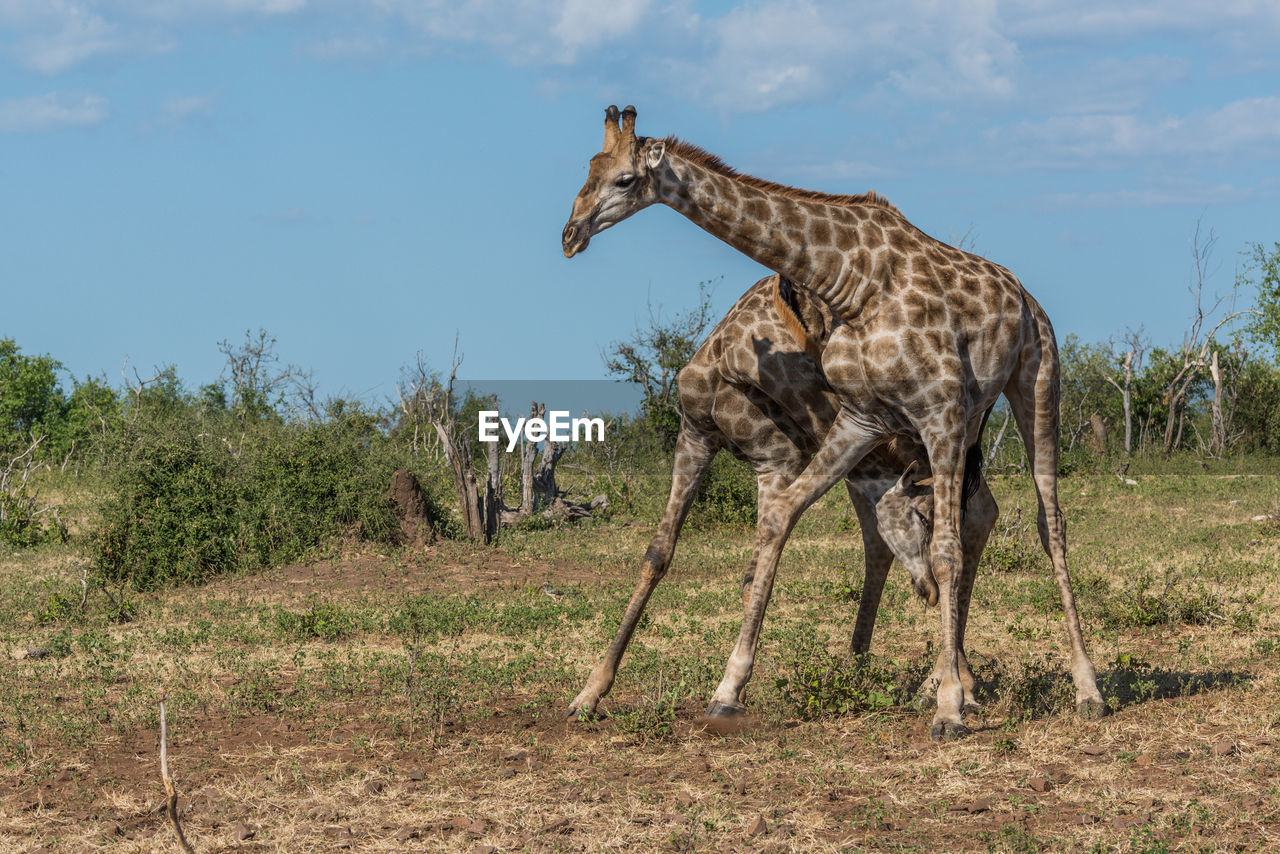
(575, 239)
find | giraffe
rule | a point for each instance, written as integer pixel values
(754, 388)
(931, 337)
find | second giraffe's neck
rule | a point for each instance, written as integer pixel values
(791, 232)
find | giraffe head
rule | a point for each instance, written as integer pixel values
(618, 181)
(904, 515)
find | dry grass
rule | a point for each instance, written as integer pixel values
(410, 701)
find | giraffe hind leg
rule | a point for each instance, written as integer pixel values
(1035, 411)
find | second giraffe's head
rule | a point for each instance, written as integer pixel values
(618, 181)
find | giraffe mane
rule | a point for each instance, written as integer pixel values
(702, 157)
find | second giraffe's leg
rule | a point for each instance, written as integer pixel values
(845, 444)
(944, 437)
(693, 454)
(769, 485)
(878, 558)
(980, 518)
(1037, 419)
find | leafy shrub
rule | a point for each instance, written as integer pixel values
(172, 518)
(1014, 545)
(188, 503)
(21, 524)
(818, 684)
(727, 493)
(1178, 600)
(55, 608)
(323, 621)
(654, 719)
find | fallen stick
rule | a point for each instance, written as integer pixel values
(172, 806)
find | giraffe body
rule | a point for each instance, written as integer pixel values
(931, 336)
(754, 388)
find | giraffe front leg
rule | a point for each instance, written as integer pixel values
(945, 442)
(845, 444)
(877, 559)
(979, 518)
(693, 454)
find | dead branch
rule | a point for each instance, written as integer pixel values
(1196, 345)
(171, 806)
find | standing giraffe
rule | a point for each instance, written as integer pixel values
(932, 336)
(754, 388)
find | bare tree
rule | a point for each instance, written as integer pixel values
(1197, 344)
(1134, 349)
(421, 400)
(259, 384)
(459, 457)
(137, 387)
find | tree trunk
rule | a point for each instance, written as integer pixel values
(1126, 400)
(995, 444)
(1217, 441)
(1099, 434)
(493, 495)
(464, 483)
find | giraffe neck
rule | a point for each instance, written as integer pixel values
(812, 239)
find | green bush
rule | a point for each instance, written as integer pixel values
(818, 684)
(188, 503)
(323, 621)
(21, 524)
(728, 492)
(1177, 600)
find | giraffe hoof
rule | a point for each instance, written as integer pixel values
(948, 731)
(1092, 709)
(971, 708)
(725, 710)
(581, 713)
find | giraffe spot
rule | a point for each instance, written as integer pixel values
(751, 231)
(882, 350)
(822, 231)
(840, 217)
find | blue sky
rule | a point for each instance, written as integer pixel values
(363, 179)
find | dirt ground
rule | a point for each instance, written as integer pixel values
(1191, 764)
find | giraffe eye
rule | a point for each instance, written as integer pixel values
(625, 181)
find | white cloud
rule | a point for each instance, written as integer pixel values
(54, 35)
(1106, 19)
(185, 107)
(173, 10)
(585, 23)
(760, 56)
(53, 111)
(1247, 126)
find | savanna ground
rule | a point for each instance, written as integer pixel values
(411, 699)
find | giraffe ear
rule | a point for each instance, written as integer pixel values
(654, 153)
(902, 481)
(928, 481)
